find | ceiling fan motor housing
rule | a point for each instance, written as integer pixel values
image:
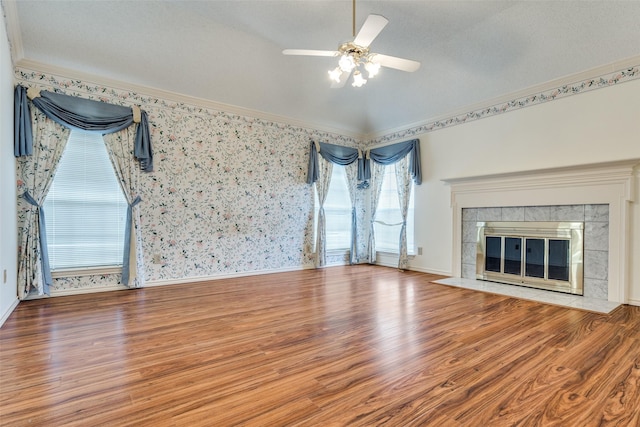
(358, 53)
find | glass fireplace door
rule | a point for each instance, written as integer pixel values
(541, 258)
(543, 255)
(534, 265)
(513, 255)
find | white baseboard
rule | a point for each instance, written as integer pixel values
(79, 291)
(392, 261)
(431, 271)
(166, 282)
(152, 283)
(7, 313)
(633, 301)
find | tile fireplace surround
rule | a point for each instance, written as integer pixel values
(596, 237)
(598, 194)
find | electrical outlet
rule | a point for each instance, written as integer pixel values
(157, 259)
(419, 250)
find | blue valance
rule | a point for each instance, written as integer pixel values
(82, 114)
(337, 154)
(389, 154)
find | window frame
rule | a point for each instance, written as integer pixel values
(411, 246)
(332, 185)
(97, 269)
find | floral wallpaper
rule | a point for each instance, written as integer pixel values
(228, 193)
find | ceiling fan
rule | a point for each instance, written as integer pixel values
(355, 54)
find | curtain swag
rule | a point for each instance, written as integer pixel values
(345, 156)
(336, 154)
(391, 154)
(407, 168)
(82, 114)
(87, 115)
(386, 155)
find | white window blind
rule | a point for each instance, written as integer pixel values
(388, 236)
(85, 210)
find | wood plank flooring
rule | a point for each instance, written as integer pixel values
(356, 346)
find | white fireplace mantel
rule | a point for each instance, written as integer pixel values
(609, 183)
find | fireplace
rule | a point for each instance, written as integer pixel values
(603, 192)
(544, 255)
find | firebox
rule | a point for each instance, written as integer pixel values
(543, 255)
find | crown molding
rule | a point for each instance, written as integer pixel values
(511, 101)
(12, 24)
(67, 73)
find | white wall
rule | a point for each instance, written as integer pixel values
(8, 231)
(597, 126)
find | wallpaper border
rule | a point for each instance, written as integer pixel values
(518, 102)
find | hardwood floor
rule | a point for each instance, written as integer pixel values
(357, 346)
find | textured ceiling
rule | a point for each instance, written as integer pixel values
(230, 51)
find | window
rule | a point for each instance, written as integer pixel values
(388, 236)
(337, 209)
(85, 210)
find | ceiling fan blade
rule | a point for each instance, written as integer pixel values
(343, 81)
(394, 62)
(309, 52)
(370, 30)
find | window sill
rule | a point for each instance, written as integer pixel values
(337, 251)
(87, 271)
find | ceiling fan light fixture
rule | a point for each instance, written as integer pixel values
(372, 68)
(347, 63)
(335, 74)
(358, 80)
